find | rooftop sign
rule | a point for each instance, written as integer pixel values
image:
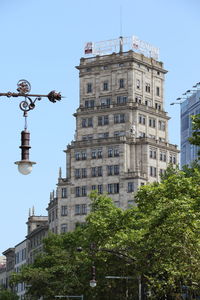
(125, 43)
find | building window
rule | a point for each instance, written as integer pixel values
(103, 120)
(89, 103)
(119, 118)
(105, 86)
(100, 188)
(147, 87)
(89, 88)
(152, 153)
(77, 173)
(152, 122)
(83, 155)
(64, 210)
(113, 188)
(172, 159)
(63, 228)
(80, 209)
(84, 191)
(96, 153)
(80, 191)
(99, 171)
(161, 125)
(84, 124)
(121, 83)
(99, 153)
(103, 135)
(77, 156)
(83, 172)
(158, 106)
(138, 99)
(113, 170)
(116, 169)
(153, 171)
(158, 91)
(116, 152)
(162, 172)
(93, 154)
(130, 187)
(64, 192)
(109, 170)
(121, 99)
(110, 152)
(93, 172)
(105, 102)
(163, 156)
(87, 122)
(113, 152)
(142, 119)
(96, 172)
(77, 191)
(138, 84)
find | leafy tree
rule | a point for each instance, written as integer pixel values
(195, 139)
(170, 241)
(7, 295)
(62, 270)
(158, 241)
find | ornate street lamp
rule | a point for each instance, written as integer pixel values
(93, 281)
(23, 90)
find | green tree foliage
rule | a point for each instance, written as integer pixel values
(195, 139)
(158, 241)
(170, 239)
(7, 295)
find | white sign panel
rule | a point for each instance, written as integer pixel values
(145, 48)
(107, 47)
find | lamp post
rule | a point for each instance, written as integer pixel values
(93, 249)
(23, 90)
(93, 281)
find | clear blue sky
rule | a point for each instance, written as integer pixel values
(42, 41)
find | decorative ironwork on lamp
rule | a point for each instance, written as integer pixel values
(23, 90)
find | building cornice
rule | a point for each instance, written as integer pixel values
(115, 107)
(116, 58)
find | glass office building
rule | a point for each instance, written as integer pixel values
(189, 107)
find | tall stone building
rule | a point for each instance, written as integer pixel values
(121, 140)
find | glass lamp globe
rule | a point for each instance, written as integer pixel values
(93, 283)
(25, 166)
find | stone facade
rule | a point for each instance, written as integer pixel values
(20, 260)
(37, 229)
(10, 265)
(24, 252)
(121, 140)
(3, 271)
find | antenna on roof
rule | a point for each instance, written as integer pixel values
(120, 20)
(121, 37)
